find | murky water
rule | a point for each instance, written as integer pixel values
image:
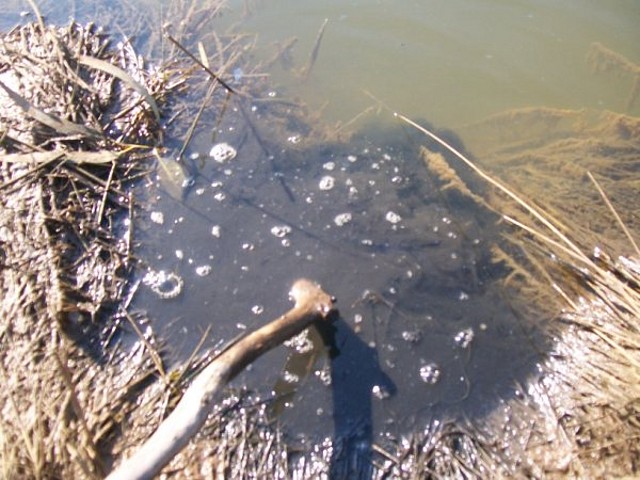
(423, 329)
(452, 62)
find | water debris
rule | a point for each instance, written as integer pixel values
(306, 71)
(257, 309)
(329, 166)
(380, 392)
(203, 270)
(173, 175)
(436, 163)
(301, 343)
(392, 217)
(464, 337)
(280, 231)
(222, 152)
(412, 336)
(430, 373)
(167, 285)
(157, 217)
(342, 219)
(290, 377)
(327, 183)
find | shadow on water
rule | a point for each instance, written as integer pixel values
(355, 374)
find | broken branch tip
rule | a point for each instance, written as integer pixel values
(306, 291)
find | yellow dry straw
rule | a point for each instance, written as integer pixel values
(533, 211)
(124, 76)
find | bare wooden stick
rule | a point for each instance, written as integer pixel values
(311, 304)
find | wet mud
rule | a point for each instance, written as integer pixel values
(424, 330)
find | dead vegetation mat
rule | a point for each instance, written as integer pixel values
(579, 418)
(73, 137)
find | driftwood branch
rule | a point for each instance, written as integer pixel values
(175, 432)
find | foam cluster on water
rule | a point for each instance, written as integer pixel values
(392, 217)
(280, 231)
(327, 183)
(430, 373)
(157, 217)
(464, 337)
(222, 152)
(164, 284)
(203, 270)
(342, 219)
(301, 343)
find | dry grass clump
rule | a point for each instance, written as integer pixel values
(66, 86)
(580, 417)
(71, 108)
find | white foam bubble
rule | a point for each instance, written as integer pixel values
(430, 373)
(222, 152)
(327, 182)
(342, 219)
(392, 217)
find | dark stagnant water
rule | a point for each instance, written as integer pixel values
(424, 331)
(423, 328)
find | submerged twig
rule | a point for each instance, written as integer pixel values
(215, 76)
(304, 73)
(196, 120)
(153, 353)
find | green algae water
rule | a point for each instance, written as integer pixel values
(453, 62)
